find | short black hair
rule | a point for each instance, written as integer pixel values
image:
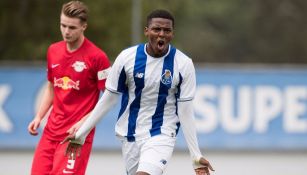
(160, 13)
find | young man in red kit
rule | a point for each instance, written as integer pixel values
(77, 71)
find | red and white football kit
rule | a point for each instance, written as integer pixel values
(77, 79)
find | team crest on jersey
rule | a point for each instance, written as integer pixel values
(166, 77)
(79, 66)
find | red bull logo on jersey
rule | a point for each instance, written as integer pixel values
(66, 83)
(166, 78)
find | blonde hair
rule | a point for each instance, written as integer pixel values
(76, 9)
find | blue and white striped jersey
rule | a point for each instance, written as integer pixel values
(151, 88)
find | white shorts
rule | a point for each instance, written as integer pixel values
(150, 155)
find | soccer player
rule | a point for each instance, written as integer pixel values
(157, 83)
(76, 72)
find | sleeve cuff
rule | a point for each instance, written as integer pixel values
(196, 163)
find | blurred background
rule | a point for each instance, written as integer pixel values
(251, 66)
(224, 31)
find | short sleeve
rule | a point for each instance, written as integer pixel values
(188, 82)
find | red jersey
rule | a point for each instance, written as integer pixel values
(77, 79)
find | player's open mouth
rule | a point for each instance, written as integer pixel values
(161, 44)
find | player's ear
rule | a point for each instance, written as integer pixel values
(146, 31)
(173, 35)
(84, 26)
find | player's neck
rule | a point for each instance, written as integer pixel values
(73, 46)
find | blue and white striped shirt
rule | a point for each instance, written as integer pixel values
(151, 88)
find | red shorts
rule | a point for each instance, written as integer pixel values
(50, 159)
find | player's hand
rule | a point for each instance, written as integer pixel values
(72, 133)
(73, 147)
(72, 130)
(69, 138)
(73, 150)
(205, 170)
(33, 126)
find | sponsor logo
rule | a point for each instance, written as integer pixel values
(66, 83)
(139, 75)
(54, 65)
(79, 66)
(163, 161)
(166, 77)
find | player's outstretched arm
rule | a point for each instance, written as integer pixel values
(186, 117)
(76, 140)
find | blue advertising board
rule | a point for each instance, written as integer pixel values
(250, 109)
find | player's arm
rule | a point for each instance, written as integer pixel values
(101, 68)
(103, 106)
(74, 128)
(45, 105)
(186, 117)
(76, 140)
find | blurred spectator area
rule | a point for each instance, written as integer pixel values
(209, 31)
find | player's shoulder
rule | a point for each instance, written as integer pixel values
(182, 55)
(92, 47)
(182, 59)
(93, 51)
(127, 54)
(129, 50)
